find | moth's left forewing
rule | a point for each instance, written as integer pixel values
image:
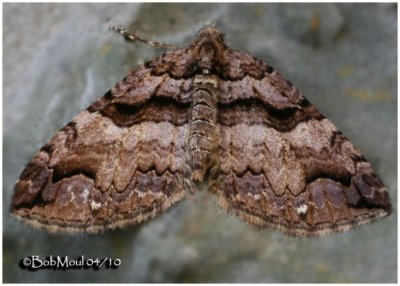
(121, 161)
(285, 166)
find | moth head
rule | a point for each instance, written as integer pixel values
(209, 47)
(210, 32)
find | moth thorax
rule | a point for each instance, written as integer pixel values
(202, 131)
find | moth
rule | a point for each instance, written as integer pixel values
(201, 114)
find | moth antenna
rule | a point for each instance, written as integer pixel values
(134, 37)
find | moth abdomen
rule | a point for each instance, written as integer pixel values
(203, 132)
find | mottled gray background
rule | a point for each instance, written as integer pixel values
(58, 58)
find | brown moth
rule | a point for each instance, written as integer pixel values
(203, 113)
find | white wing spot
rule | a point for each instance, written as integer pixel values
(95, 206)
(302, 209)
(72, 196)
(85, 194)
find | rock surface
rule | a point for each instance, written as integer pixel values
(58, 58)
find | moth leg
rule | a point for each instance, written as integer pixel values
(134, 37)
